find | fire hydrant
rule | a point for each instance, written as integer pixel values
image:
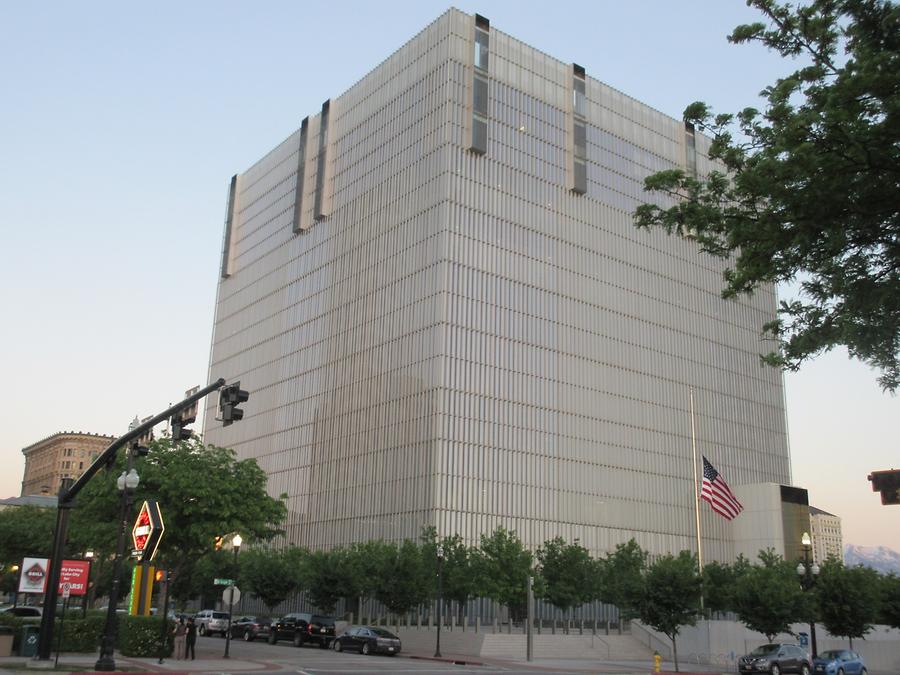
(657, 662)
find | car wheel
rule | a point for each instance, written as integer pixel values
(841, 671)
(338, 647)
(776, 669)
(864, 672)
(365, 648)
(298, 640)
(248, 636)
(804, 669)
(272, 639)
(202, 630)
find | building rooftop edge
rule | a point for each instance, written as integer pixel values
(59, 434)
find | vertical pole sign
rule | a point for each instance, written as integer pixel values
(146, 534)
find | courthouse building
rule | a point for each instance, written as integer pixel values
(436, 295)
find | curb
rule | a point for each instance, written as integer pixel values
(455, 662)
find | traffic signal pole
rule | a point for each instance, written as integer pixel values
(66, 501)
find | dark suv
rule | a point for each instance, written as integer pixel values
(302, 628)
(776, 659)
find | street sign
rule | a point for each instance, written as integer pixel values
(231, 595)
(223, 582)
(147, 531)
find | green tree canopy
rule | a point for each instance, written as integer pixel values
(719, 581)
(567, 571)
(203, 492)
(269, 575)
(458, 574)
(320, 578)
(502, 566)
(25, 531)
(622, 578)
(402, 582)
(849, 598)
(810, 192)
(890, 601)
(671, 596)
(768, 597)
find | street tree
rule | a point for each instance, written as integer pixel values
(269, 575)
(502, 566)
(671, 596)
(203, 491)
(768, 597)
(890, 601)
(458, 576)
(25, 531)
(319, 577)
(566, 571)
(809, 188)
(849, 599)
(623, 578)
(402, 582)
(719, 580)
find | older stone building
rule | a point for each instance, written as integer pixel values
(63, 455)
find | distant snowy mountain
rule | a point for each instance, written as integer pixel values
(879, 558)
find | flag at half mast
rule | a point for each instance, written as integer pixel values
(716, 491)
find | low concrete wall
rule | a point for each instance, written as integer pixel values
(724, 642)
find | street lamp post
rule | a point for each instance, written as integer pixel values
(15, 570)
(440, 562)
(236, 545)
(89, 556)
(808, 571)
(126, 483)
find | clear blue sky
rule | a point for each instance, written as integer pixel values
(121, 124)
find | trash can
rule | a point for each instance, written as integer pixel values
(29, 646)
(6, 640)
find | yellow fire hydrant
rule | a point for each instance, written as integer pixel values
(657, 662)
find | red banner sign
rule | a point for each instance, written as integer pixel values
(75, 573)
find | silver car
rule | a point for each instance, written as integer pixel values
(210, 622)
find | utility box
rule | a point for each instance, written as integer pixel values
(29, 646)
(6, 641)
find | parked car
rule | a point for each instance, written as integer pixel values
(250, 627)
(22, 610)
(776, 659)
(368, 640)
(210, 622)
(839, 662)
(302, 628)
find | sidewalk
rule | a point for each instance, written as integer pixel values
(84, 663)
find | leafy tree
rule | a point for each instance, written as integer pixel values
(768, 597)
(719, 580)
(25, 531)
(890, 600)
(566, 570)
(671, 596)
(203, 492)
(319, 578)
(623, 583)
(402, 583)
(458, 576)
(270, 575)
(502, 566)
(811, 187)
(849, 598)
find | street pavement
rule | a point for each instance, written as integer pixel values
(249, 657)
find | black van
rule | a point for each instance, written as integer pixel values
(302, 628)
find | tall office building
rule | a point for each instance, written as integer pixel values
(435, 294)
(827, 538)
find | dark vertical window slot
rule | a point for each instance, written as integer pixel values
(301, 170)
(321, 162)
(229, 216)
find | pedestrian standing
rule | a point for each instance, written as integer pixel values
(180, 632)
(191, 639)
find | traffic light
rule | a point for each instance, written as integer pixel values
(182, 418)
(888, 484)
(230, 397)
(161, 576)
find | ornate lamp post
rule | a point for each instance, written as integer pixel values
(126, 483)
(808, 571)
(89, 556)
(236, 545)
(440, 561)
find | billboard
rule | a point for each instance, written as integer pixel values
(36, 570)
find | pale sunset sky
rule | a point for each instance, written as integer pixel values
(121, 124)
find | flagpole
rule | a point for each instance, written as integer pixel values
(696, 489)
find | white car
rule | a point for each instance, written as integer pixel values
(21, 610)
(210, 622)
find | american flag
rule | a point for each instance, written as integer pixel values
(716, 491)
